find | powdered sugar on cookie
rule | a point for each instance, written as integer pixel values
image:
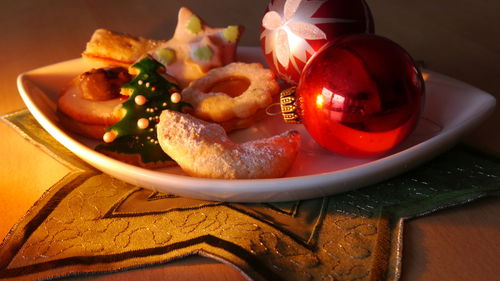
(203, 149)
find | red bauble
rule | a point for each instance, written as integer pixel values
(293, 30)
(360, 96)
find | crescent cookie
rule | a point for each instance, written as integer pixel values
(202, 149)
(231, 95)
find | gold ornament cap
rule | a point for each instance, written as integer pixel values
(289, 106)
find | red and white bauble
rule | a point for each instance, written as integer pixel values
(293, 30)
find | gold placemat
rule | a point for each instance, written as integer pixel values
(90, 222)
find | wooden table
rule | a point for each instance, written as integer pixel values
(459, 38)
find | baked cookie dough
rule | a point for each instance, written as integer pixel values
(194, 49)
(117, 49)
(92, 101)
(197, 47)
(232, 95)
(202, 149)
(133, 138)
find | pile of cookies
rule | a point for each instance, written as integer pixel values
(156, 103)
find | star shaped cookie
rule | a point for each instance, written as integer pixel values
(194, 49)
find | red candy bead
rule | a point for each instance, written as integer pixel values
(293, 30)
(360, 96)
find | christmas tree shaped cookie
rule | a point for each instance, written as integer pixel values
(133, 138)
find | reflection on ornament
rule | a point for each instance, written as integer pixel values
(359, 96)
(293, 30)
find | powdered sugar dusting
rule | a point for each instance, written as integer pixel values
(203, 149)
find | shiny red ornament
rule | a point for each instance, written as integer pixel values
(293, 30)
(359, 96)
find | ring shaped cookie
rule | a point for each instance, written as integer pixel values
(233, 92)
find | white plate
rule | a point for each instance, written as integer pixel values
(452, 108)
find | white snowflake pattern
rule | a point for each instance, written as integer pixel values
(287, 27)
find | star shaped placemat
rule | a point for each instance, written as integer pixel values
(90, 222)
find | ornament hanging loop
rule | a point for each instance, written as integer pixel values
(273, 109)
(288, 102)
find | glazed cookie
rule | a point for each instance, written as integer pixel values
(202, 149)
(196, 47)
(232, 95)
(92, 101)
(133, 138)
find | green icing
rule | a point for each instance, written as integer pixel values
(194, 25)
(130, 138)
(203, 53)
(149, 152)
(166, 56)
(231, 33)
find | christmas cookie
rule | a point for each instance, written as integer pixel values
(196, 47)
(133, 138)
(233, 95)
(202, 149)
(115, 48)
(92, 101)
